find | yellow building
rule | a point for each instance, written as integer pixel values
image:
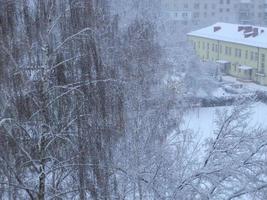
(241, 50)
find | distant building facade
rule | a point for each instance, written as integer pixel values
(204, 12)
(240, 50)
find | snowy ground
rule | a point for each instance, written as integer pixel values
(202, 120)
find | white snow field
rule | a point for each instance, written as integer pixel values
(202, 120)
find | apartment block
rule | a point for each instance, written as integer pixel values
(204, 12)
(239, 50)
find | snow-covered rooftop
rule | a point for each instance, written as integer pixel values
(242, 34)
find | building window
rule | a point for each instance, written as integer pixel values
(208, 46)
(251, 55)
(239, 53)
(184, 14)
(262, 68)
(205, 6)
(213, 47)
(220, 48)
(263, 58)
(226, 50)
(195, 22)
(196, 15)
(228, 1)
(196, 5)
(246, 54)
(221, 1)
(203, 45)
(184, 22)
(256, 56)
(186, 5)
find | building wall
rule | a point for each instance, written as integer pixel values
(236, 54)
(204, 12)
